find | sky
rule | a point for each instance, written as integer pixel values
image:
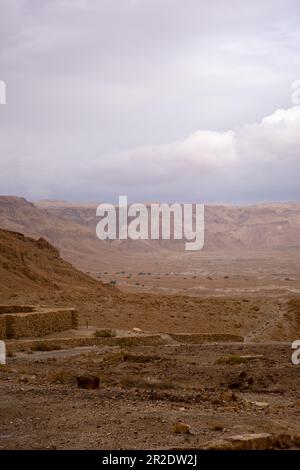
(165, 100)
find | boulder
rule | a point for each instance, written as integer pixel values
(87, 381)
(283, 441)
(220, 444)
(259, 441)
(181, 428)
(228, 395)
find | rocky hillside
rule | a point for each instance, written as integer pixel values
(28, 265)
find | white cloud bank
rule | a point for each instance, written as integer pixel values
(200, 152)
(256, 162)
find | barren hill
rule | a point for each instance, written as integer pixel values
(32, 271)
(76, 242)
(27, 264)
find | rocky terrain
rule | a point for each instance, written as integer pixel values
(172, 351)
(152, 397)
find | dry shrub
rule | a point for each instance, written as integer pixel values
(234, 359)
(105, 333)
(61, 377)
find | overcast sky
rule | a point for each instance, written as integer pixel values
(171, 100)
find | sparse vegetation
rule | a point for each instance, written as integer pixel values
(61, 377)
(233, 359)
(127, 341)
(105, 333)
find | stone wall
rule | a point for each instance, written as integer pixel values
(206, 337)
(46, 344)
(35, 322)
(16, 308)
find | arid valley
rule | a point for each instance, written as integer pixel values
(132, 345)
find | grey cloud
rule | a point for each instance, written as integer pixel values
(153, 99)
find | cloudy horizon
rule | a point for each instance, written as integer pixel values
(158, 100)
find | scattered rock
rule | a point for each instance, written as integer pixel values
(262, 441)
(137, 330)
(283, 441)
(216, 401)
(221, 444)
(24, 379)
(259, 404)
(228, 395)
(218, 427)
(297, 441)
(236, 384)
(181, 428)
(89, 382)
(242, 381)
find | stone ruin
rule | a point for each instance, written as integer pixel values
(26, 321)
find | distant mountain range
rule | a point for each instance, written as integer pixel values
(72, 229)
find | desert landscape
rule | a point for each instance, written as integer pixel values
(149, 232)
(156, 347)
